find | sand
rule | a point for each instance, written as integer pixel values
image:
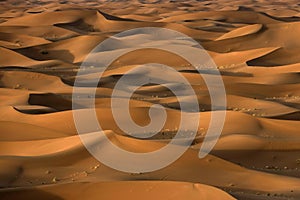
(255, 45)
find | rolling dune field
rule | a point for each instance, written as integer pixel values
(255, 46)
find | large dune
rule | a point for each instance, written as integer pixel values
(255, 46)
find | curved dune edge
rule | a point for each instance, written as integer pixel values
(246, 30)
(46, 160)
(120, 190)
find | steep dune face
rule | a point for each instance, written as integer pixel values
(255, 48)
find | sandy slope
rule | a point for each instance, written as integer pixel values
(129, 190)
(255, 47)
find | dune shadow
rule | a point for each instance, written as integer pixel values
(12, 194)
(42, 53)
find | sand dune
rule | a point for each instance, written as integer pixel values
(143, 189)
(255, 46)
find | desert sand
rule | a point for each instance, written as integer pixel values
(255, 45)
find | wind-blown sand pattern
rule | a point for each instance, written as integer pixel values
(254, 43)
